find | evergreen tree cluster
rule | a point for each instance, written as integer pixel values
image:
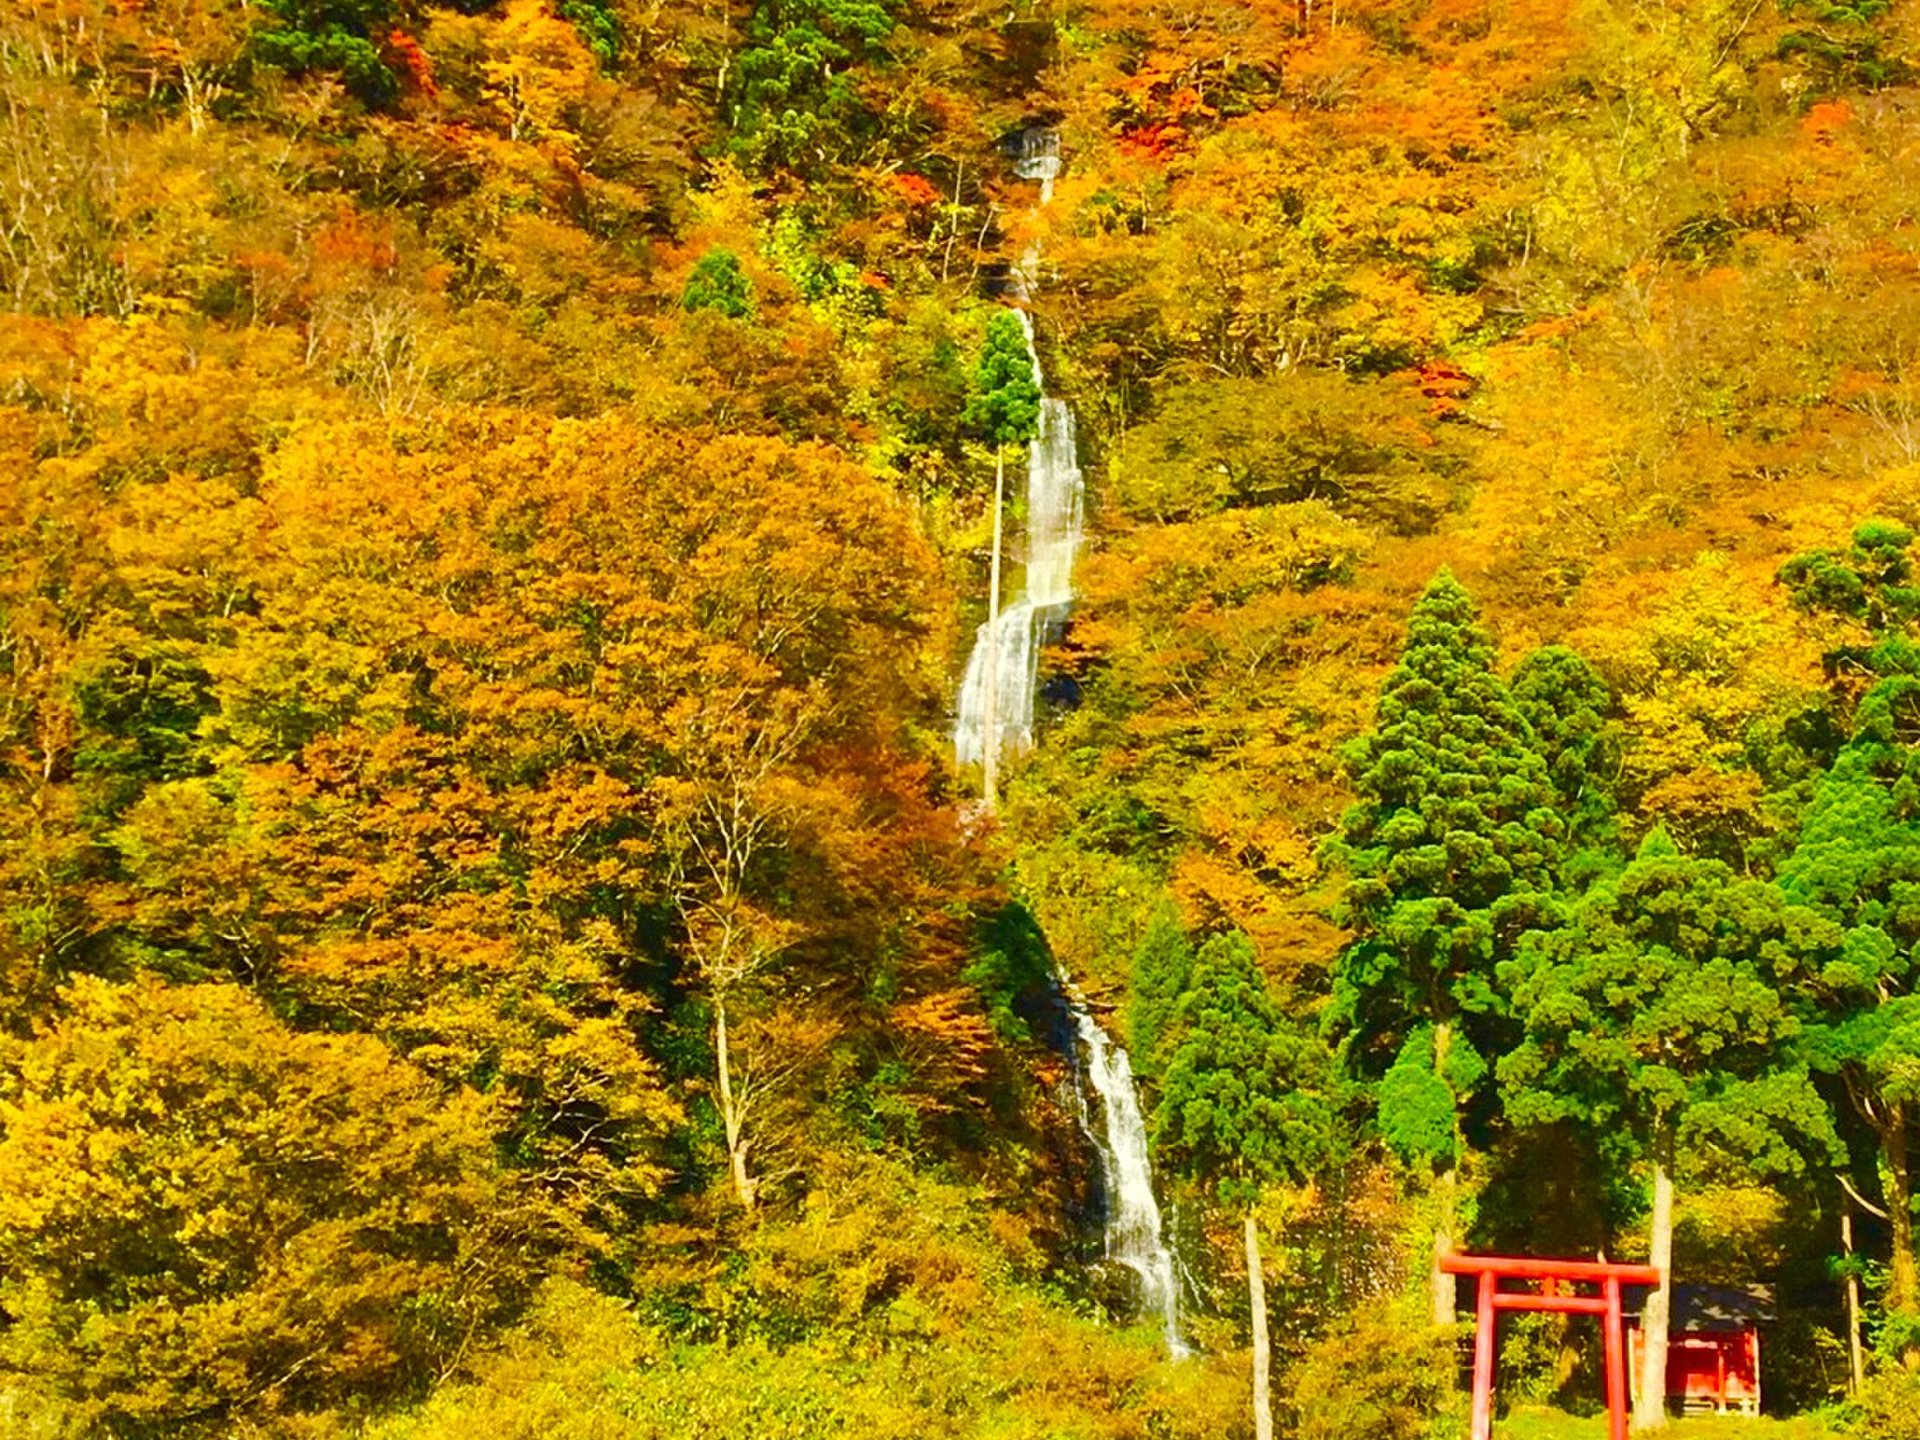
(1519, 964)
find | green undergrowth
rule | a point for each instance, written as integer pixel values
(893, 1305)
(583, 1369)
(1539, 1423)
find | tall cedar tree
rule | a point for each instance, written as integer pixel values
(1162, 970)
(1857, 861)
(1242, 1105)
(1569, 710)
(1005, 409)
(1659, 1017)
(1452, 849)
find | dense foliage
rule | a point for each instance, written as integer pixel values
(493, 497)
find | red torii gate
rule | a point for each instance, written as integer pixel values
(1490, 1299)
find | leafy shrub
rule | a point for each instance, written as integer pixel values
(557, 1377)
(718, 283)
(1387, 1378)
(887, 1310)
(1888, 1407)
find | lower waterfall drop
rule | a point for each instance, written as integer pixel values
(1134, 1234)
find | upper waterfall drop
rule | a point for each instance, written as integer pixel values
(1056, 502)
(1038, 158)
(1056, 512)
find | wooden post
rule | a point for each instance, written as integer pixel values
(1616, 1342)
(1483, 1338)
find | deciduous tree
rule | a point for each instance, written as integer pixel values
(205, 1216)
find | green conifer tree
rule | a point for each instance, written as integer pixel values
(1569, 711)
(1451, 849)
(340, 36)
(1857, 862)
(795, 86)
(1243, 1104)
(1005, 405)
(718, 283)
(1871, 581)
(1162, 969)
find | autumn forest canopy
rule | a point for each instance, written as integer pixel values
(497, 505)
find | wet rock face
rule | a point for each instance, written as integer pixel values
(1117, 1289)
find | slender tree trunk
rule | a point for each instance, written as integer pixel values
(730, 1113)
(1650, 1405)
(953, 222)
(1257, 1321)
(1856, 1366)
(990, 734)
(1446, 1203)
(1902, 1292)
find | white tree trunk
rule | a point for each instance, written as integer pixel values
(990, 733)
(731, 1115)
(1257, 1323)
(1446, 1203)
(1650, 1405)
(1440, 1284)
(1856, 1361)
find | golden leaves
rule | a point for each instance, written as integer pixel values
(245, 1207)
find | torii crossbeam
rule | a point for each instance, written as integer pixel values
(1490, 1299)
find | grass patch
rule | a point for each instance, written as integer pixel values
(1538, 1423)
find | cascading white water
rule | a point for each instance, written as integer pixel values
(1038, 158)
(1133, 1230)
(1055, 514)
(1055, 506)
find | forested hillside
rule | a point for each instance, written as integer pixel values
(495, 501)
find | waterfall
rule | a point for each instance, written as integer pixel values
(1134, 1236)
(1056, 499)
(1055, 506)
(1055, 515)
(1036, 156)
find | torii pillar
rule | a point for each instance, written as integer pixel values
(1490, 1300)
